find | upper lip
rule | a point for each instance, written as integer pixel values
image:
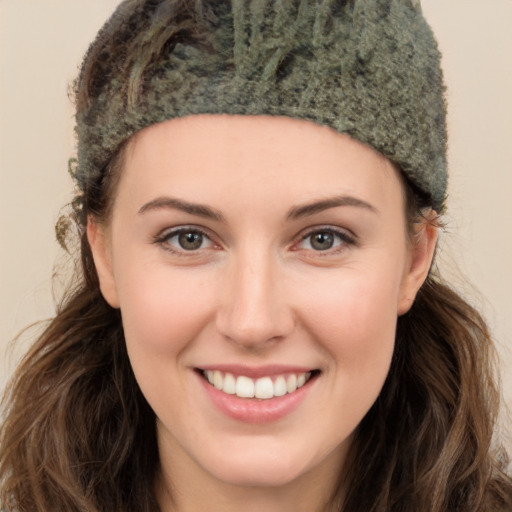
(256, 372)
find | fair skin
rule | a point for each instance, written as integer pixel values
(264, 248)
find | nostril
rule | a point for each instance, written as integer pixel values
(253, 330)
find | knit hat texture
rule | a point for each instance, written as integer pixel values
(366, 68)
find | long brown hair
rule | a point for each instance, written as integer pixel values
(78, 434)
(426, 444)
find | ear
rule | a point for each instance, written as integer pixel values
(98, 241)
(421, 253)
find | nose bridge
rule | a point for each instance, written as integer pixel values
(254, 309)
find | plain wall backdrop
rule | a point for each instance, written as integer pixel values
(41, 46)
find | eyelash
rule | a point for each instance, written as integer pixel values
(343, 237)
(164, 239)
(345, 240)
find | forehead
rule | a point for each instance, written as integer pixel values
(222, 158)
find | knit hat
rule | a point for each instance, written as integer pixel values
(366, 68)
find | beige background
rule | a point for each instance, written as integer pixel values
(41, 45)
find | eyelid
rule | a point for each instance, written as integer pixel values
(347, 238)
(166, 234)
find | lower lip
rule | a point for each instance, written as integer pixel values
(254, 410)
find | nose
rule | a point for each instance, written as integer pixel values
(254, 311)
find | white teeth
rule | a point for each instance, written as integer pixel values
(244, 387)
(217, 379)
(291, 383)
(263, 388)
(229, 386)
(280, 386)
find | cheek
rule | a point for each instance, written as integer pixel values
(163, 313)
(353, 317)
(162, 310)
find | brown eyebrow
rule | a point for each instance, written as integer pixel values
(178, 204)
(299, 212)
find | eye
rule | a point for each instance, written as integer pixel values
(185, 239)
(325, 239)
(190, 241)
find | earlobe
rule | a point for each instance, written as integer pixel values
(98, 242)
(422, 251)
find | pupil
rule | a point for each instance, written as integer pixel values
(322, 241)
(190, 241)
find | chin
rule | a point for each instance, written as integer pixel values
(257, 466)
(258, 473)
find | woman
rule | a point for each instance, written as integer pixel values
(259, 326)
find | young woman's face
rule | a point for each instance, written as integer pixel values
(257, 252)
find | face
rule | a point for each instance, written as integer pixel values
(258, 255)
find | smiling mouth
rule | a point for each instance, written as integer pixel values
(262, 388)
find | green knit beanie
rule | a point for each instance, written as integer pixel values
(366, 68)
